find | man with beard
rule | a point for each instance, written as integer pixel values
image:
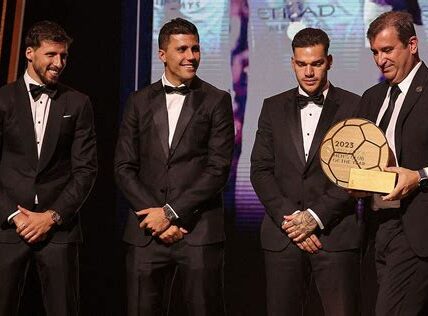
(172, 161)
(48, 165)
(310, 229)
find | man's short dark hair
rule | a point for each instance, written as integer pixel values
(310, 37)
(175, 26)
(46, 31)
(402, 22)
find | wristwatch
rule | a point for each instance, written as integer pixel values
(169, 213)
(55, 217)
(423, 181)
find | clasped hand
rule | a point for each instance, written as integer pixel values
(154, 220)
(159, 225)
(299, 227)
(32, 226)
(172, 234)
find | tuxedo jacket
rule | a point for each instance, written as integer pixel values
(190, 174)
(411, 142)
(65, 172)
(285, 182)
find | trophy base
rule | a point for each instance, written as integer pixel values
(371, 180)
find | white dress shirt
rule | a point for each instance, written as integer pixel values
(377, 202)
(309, 116)
(174, 104)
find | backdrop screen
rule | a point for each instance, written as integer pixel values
(246, 50)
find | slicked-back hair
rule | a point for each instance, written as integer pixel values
(402, 22)
(310, 37)
(175, 26)
(46, 31)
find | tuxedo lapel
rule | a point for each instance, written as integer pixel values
(328, 113)
(52, 131)
(416, 88)
(192, 102)
(160, 115)
(25, 120)
(292, 115)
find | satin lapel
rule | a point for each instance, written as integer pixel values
(292, 116)
(160, 115)
(25, 120)
(192, 101)
(53, 126)
(328, 113)
(416, 88)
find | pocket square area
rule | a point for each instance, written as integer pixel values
(66, 116)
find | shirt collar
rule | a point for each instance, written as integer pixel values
(405, 84)
(28, 80)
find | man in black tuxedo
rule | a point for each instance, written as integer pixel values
(48, 165)
(310, 228)
(400, 219)
(172, 161)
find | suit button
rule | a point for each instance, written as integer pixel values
(162, 190)
(299, 202)
(304, 177)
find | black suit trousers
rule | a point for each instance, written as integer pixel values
(288, 275)
(57, 267)
(402, 275)
(151, 271)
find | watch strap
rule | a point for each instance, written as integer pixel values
(422, 174)
(423, 181)
(169, 213)
(55, 217)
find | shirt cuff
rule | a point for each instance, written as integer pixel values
(315, 216)
(172, 210)
(11, 216)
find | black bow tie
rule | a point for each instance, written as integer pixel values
(179, 90)
(36, 91)
(303, 101)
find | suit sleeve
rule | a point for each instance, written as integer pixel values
(336, 203)
(214, 177)
(262, 171)
(8, 207)
(6, 204)
(127, 160)
(83, 166)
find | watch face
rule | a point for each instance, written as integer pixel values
(56, 218)
(168, 213)
(423, 185)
